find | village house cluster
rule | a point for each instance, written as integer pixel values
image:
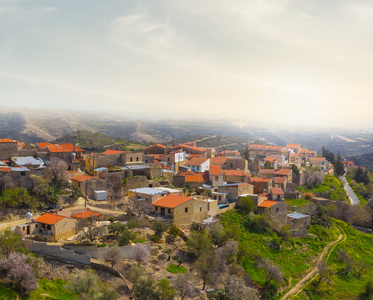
(183, 184)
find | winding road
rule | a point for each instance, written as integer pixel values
(353, 198)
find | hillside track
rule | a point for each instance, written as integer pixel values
(311, 275)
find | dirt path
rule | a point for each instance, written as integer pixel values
(5, 225)
(295, 290)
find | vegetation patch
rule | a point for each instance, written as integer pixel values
(176, 269)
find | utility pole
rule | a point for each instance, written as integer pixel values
(86, 193)
(5, 179)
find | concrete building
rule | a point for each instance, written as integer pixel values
(198, 164)
(234, 190)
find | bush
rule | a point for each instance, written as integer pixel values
(176, 269)
(155, 238)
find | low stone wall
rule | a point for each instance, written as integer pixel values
(128, 252)
(298, 233)
(57, 251)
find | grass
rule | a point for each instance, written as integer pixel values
(174, 269)
(330, 189)
(358, 245)
(363, 201)
(293, 257)
(296, 202)
(48, 290)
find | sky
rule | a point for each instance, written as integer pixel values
(292, 62)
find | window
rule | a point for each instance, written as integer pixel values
(130, 159)
(169, 211)
(197, 168)
(231, 165)
(277, 209)
(137, 159)
(156, 208)
(186, 209)
(200, 209)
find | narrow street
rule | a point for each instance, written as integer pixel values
(354, 199)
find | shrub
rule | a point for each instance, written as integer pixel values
(155, 238)
(176, 269)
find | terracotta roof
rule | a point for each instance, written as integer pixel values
(49, 219)
(218, 160)
(113, 152)
(86, 214)
(56, 148)
(71, 147)
(293, 146)
(237, 153)
(42, 145)
(259, 179)
(267, 171)
(5, 169)
(171, 201)
(277, 191)
(234, 173)
(156, 145)
(267, 203)
(82, 178)
(280, 180)
(194, 178)
(195, 155)
(305, 151)
(194, 148)
(215, 170)
(271, 159)
(283, 172)
(8, 141)
(317, 159)
(196, 161)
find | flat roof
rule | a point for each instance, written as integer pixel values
(148, 191)
(296, 215)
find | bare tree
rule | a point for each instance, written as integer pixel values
(324, 271)
(237, 289)
(272, 272)
(141, 254)
(114, 255)
(182, 284)
(205, 266)
(91, 229)
(56, 172)
(226, 255)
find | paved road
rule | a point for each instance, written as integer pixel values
(354, 199)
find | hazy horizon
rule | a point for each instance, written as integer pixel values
(282, 62)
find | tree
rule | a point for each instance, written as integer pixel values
(324, 271)
(315, 179)
(56, 172)
(217, 233)
(165, 290)
(126, 236)
(16, 270)
(182, 284)
(271, 271)
(205, 266)
(328, 155)
(339, 167)
(367, 293)
(159, 227)
(91, 229)
(10, 242)
(284, 233)
(174, 231)
(135, 273)
(88, 285)
(198, 242)
(267, 165)
(114, 255)
(347, 259)
(141, 254)
(246, 153)
(295, 169)
(246, 204)
(145, 289)
(237, 289)
(116, 228)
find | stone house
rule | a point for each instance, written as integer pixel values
(276, 209)
(261, 185)
(280, 182)
(277, 194)
(8, 148)
(236, 176)
(183, 211)
(234, 190)
(288, 173)
(198, 164)
(267, 173)
(216, 175)
(294, 148)
(155, 149)
(20, 176)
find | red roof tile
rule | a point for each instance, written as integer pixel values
(171, 201)
(267, 203)
(71, 147)
(280, 180)
(267, 171)
(196, 161)
(193, 148)
(82, 178)
(267, 147)
(234, 173)
(49, 219)
(293, 146)
(283, 172)
(277, 191)
(194, 178)
(215, 170)
(188, 173)
(113, 152)
(42, 145)
(8, 141)
(86, 214)
(218, 160)
(259, 179)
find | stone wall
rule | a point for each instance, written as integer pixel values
(57, 251)
(8, 150)
(26, 152)
(128, 252)
(137, 182)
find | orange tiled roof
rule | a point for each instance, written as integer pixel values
(237, 153)
(196, 161)
(280, 180)
(218, 160)
(5, 169)
(42, 145)
(171, 201)
(293, 146)
(194, 178)
(283, 172)
(267, 171)
(267, 203)
(49, 219)
(277, 191)
(113, 152)
(215, 170)
(271, 159)
(259, 179)
(7, 141)
(188, 173)
(317, 159)
(194, 155)
(194, 148)
(86, 214)
(233, 172)
(82, 178)
(71, 147)
(56, 148)
(156, 145)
